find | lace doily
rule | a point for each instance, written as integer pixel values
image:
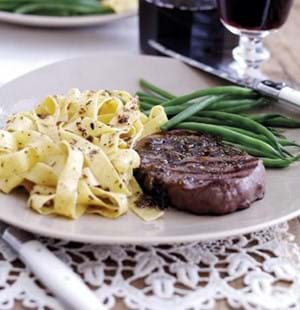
(255, 271)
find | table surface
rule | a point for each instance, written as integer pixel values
(23, 49)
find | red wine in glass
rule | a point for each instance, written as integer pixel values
(256, 15)
(252, 20)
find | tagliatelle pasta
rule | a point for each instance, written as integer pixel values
(121, 6)
(75, 154)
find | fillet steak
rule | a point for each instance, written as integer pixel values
(197, 172)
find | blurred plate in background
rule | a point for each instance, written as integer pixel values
(57, 22)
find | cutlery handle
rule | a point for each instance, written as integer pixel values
(58, 277)
(290, 95)
(280, 92)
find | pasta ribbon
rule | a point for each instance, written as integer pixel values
(74, 153)
(8, 143)
(121, 6)
(17, 163)
(66, 191)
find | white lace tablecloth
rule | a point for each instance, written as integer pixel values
(255, 271)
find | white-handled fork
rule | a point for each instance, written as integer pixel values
(66, 285)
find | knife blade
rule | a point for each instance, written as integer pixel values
(67, 286)
(276, 90)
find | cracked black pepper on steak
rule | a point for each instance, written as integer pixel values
(197, 172)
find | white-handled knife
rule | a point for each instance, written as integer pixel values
(66, 285)
(275, 90)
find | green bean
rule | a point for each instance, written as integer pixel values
(230, 125)
(152, 101)
(285, 142)
(232, 136)
(226, 122)
(207, 120)
(261, 117)
(231, 104)
(170, 111)
(173, 110)
(55, 7)
(276, 120)
(282, 142)
(276, 132)
(239, 108)
(147, 96)
(157, 90)
(283, 122)
(246, 123)
(268, 162)
(228, 105)
(141, 93)
(7, 6)
(287, 153)
(79, 9)
(188, 112)
(248, 133)
(146, 105)
(250, 150)
(246, 106)
(276, 163)
(14, 4)
(222, 90)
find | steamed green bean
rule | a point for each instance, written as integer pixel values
(189, 111)
(156, 90)
(246, 123)
(221, 90)
(232, 136)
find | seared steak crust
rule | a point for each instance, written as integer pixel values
(198, 173)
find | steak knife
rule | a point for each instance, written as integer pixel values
(67, 286)
(276, 90)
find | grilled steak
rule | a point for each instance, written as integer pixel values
(198, 173)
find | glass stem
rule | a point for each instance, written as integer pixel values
(250, 54)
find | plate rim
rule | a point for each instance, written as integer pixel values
(91, 55)
(62, 21)
(154, 240)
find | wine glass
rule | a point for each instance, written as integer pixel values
(252, 20)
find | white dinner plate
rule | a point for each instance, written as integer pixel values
(109, 71)
(61, 21)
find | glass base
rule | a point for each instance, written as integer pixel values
(247, 74)
(250, 54)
